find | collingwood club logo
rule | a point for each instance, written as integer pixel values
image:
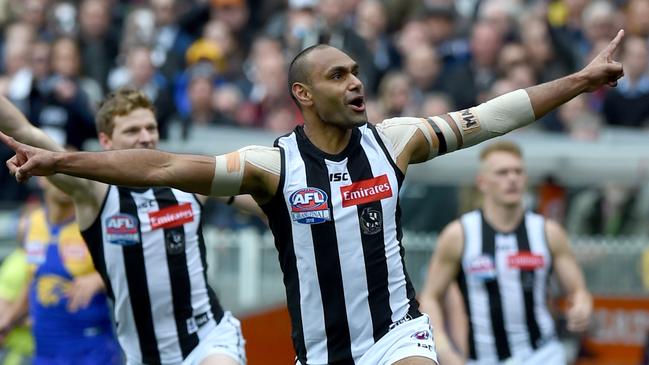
(371, 221)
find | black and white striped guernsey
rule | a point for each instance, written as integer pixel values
(335, 219)
(148, 246)
(503, 279)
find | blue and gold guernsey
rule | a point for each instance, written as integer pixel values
(57, 254)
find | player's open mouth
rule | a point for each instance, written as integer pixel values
(357, 104)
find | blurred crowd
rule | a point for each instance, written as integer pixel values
(224, 62)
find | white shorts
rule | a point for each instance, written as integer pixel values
(224, 338)
(410, 338)
(551, 353)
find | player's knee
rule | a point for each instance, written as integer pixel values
(219, 359)
(415, 360)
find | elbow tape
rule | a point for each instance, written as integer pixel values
(228, 174)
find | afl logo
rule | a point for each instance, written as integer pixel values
(122, 229)
(482, 268)
(309, 206)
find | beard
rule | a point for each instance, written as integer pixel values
(341, 119)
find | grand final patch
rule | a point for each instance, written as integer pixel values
(482, 268)
(121, 229)
(309, 206)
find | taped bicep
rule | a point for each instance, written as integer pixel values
(398, 134)
(229, 169)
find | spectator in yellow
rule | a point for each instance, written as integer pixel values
(16, 345)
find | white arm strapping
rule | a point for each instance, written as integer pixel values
(399, 131)
(229, 168)
(494, 118)
(265, 158)
(464, 128)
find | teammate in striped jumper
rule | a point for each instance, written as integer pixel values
(147, 245)
(330, 190)
(502, 256)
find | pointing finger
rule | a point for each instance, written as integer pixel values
(610, 49)
(10, 142)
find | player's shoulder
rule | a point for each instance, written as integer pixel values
(260, 149)
(450, 242)
(453, 230)
(398, 131)
(266, 158)
(555, 234)
(397, 121)
(553, 228)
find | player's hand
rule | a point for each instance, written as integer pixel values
(82, 290)
(603, 70)
(579, 313)
(29, 161)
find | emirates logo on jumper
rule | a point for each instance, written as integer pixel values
(366, 191)
(526, 261)
(173, 216)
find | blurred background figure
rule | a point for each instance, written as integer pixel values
(98, 40)
(16, 342)
(628, 104)
(170, 41)
(424, 70)
(395, 95)
(139, 72)
(608, 210)
(66, 300)
(467, 81)
(67, 109)
(371, 24)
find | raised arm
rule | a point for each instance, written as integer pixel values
(14, 124)
(134, 167)
(86, 194)
(434, 136)
(571, 278)
(441, 273)
(223, 175)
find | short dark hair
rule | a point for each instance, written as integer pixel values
(298, 69)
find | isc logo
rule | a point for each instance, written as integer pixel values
(338, 176)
